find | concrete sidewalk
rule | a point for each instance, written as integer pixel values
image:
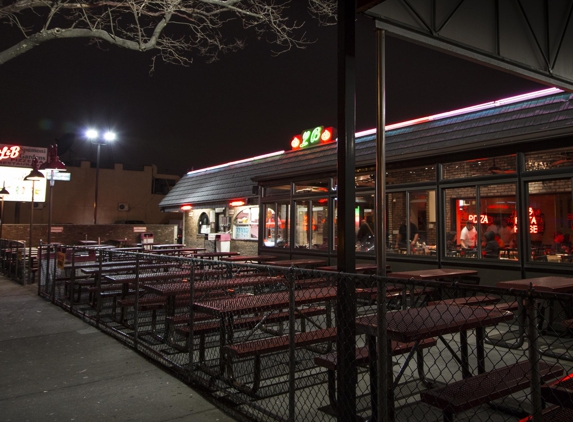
(54, 367)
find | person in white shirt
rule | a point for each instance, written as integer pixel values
(468, 236)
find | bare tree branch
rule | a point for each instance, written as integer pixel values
(177, 30)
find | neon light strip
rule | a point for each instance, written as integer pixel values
(246, 160)
(484, 106)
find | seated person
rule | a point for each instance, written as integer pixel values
(403, 233)
(491, 249)
(559, 246)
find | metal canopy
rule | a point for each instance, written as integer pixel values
(529, 38)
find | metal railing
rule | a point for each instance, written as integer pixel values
(271, 343)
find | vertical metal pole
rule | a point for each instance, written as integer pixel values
(381, 157)
(346, 254)
(536, 400)
(96, 183)
(136, 310)
(1, 216)
(383, 359)
(53, 285)
(31, 226)
(292, 361)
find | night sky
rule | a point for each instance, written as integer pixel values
(248, 103)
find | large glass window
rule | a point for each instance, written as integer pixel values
(497, 222)
(311, 224)
(484, 229)
(246, 223)
(550, 220)
(277, 226)
(412, 222)
(480, 167)
(364, 223)
(545, 160)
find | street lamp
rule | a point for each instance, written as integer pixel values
(4, 192)
(34, 176)
(51, 166)
(94, 136)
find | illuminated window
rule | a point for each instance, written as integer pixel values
(550, 220)
(246, 223)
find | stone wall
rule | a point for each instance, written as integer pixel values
(72, 233)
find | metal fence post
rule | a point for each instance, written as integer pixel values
(136, 308)
(191, 315)
(291, 334)
(534, 358)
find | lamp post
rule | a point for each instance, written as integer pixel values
(4, 192)
(51, 166)
(94, 136)
(34, 176)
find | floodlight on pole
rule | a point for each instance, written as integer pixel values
(34, 176)
(94, 137)
(51, 166)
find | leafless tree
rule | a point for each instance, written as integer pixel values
(175, 30)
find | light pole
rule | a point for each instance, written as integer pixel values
(51, 166)
(34, 176)
(94, 136)
(4, 192)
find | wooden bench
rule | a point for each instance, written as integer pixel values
(259, 348)
(553, 414)
(471, 392)
(330, 362)
(202, 329)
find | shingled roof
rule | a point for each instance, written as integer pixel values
(549, 116)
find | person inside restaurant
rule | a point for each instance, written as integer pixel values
(403, 235)
(468, 236)
(491, 248)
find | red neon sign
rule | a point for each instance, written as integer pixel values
(9, 152)
(536, 221)
(237, 203)
(186, 207)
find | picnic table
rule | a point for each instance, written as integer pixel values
(174, 251)
(263, 305)
(87, 242)
(249, 258)
(550, 284)
(433, 274)
(213, 255)
(300, 263)
(359, 268)
(167, 245)
(417, 324)
(559, 392)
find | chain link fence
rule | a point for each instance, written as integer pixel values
(272, 343)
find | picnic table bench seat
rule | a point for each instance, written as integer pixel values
(468, 300)
(553, 414)
(258, 348)
(481, 389)
(330, 362)
(202, 329)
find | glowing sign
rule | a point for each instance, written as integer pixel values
(237, 203)
(483, 219)
(9, 152)
(21, 156)
(536, 221)
(186, 207)
(312, 137)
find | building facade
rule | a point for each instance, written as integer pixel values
(504, 167)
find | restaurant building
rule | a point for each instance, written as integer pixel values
(504, 166)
